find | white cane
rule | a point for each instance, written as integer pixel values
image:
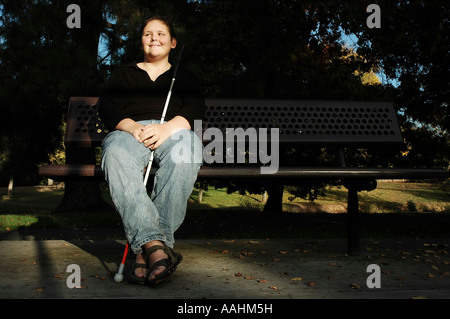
(149, 166)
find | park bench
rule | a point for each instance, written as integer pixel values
(301, 124)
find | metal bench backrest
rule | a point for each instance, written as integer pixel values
(298, 121)
(84, 127)
(316, 122)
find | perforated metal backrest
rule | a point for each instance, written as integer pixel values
(300, 121)
(84, 127)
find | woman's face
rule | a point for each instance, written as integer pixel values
(156, 40)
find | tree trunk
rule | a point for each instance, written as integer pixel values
(274, 202)
(79, 194)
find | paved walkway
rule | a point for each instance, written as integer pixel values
(231, 269)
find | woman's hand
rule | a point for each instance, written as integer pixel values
(130, 126)
(153, 135)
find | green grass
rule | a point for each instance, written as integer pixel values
(240, 215)
(391, 197)
(388, 197)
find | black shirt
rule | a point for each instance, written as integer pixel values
(130, 93)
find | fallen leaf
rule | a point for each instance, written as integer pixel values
(419, 297)
(311, 284)
(249, 277)
(430, 275)
(283, 252)
(296, 279)
(355, 286)
(333, 264)
(238, 274)
(39, 290)
(247, 253)
(100, 277)
(434, 267)
(262, 281)
(273, 287)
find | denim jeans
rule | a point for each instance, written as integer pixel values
(158, 216)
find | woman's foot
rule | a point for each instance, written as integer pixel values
(154, 257)
(140, 272)
(162, 261)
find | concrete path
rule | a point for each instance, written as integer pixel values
(230, 269)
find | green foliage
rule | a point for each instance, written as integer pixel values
(411, 46)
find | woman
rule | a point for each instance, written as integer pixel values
(131, 108)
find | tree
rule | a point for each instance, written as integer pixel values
(44, 62)
(412, 47)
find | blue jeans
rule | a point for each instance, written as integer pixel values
(158, 216)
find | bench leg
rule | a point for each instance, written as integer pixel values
(353, 223)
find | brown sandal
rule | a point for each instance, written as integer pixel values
(139, 280)
(170, 263)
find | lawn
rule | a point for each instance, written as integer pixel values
(405, 204)
(388, 197)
